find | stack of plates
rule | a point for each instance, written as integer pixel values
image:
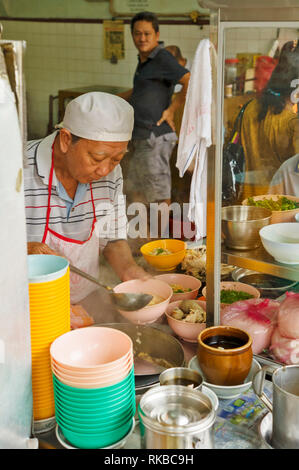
(94, 388)
(49, 304)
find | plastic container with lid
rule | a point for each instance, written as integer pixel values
(231, 73)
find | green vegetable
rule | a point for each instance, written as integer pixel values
(228, 296)
(282, 203)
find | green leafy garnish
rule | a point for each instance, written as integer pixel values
(228, 296)
(281, 204)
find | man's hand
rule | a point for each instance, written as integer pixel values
(168, 116)
(119, 256)
(179, 100)
(38, 248)
(136, 272)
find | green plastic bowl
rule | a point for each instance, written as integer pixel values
(87, 422)
(92, 399)
(95, 441)
(95, 407)
(116, 421)
(103, 393)
(89, 428)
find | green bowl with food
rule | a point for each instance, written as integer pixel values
(283, 207)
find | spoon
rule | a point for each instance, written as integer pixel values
(129, 302)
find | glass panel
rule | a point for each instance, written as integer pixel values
(261, 69)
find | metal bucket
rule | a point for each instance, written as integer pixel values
(176, 417)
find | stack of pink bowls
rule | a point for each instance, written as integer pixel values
(94, 388)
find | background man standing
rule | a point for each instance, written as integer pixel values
(149, 177)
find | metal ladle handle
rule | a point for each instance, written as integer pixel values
(258, 386)
(87, 276)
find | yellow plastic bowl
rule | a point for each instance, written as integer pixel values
(164, 262)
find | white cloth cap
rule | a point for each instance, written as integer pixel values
(99, 116)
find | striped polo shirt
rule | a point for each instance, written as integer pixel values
(76, 223)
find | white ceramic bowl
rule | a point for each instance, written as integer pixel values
(185, 330)
(282, 242)
(227, 391)
(297, 217)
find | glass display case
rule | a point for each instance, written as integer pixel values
(250, 40)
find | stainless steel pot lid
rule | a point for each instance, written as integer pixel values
(175, 408)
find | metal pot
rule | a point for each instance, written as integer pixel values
(154, 342)
(176, 417)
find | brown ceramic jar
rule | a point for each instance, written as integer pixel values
(221, 366)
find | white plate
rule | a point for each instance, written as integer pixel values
(211, 395)
(229, 391)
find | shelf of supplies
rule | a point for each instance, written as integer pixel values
(259, 260)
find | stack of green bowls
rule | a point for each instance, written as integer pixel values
(94, 386)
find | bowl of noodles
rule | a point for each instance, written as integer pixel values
(164, 255)
(161, 292)
(183, 286)
(283, 207)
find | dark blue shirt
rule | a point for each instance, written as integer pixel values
(154, 82)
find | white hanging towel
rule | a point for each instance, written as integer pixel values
(195, 135)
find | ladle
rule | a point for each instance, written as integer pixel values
(129, 302)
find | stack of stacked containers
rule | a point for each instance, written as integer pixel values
(49, 305)
(94, 386)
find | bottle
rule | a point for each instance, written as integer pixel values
(231, 72)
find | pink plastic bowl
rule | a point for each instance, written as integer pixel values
(187, 331)
(91, 374)
(237, 286)
(90, 384)
(95, 348)
(101, 368)
(93, 382)
(188, 282)
(152, 286)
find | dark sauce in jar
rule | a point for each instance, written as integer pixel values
(224, 342)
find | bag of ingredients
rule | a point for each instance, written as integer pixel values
(288, 316)
(285, 350)
(258, 317)
(79, 317)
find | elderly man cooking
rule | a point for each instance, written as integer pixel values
(73, 190)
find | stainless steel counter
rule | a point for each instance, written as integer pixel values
(260, 260)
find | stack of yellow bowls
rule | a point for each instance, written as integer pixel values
(49, 304)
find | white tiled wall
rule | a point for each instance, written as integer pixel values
(64, 55)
